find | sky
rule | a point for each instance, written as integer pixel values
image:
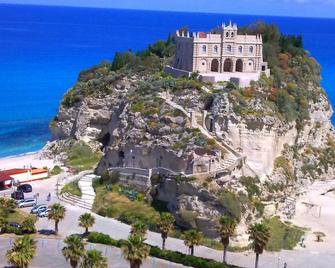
(295, 8)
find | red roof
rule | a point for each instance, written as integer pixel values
(202, 35)
(36, 171)
(6, 174)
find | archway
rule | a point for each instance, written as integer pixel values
(239, 65)
(228, 65)
(215, 65)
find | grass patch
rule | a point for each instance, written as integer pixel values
(82, 157)
(114, 205)
(18, 216)
(283, 235)
(55, 171)
(71, 188)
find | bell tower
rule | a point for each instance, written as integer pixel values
(230, 31)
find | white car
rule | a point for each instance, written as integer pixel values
(38, 208)
(28, 202)
(44, 213)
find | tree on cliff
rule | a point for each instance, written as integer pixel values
(259, 234)
(226, 229)
(165, 225)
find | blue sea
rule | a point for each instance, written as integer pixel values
(42, 50)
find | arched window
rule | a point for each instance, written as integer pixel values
(227, 34)
(251, 50)
(216, 50)
(229, 48)
(240, 49)
(204, 49)
(232, 34)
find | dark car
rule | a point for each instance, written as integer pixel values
(26, 188)
(14, 224)
(17, 195)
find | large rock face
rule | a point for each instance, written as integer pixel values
(135, 127)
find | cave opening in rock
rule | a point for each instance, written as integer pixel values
(105, 139)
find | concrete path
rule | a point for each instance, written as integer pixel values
(86, 186)
(315, 255)
(44, 259)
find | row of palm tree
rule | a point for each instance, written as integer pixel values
(135, 250)
(259, 234)
(57, 213)
(75, 253)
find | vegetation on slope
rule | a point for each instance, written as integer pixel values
(72, 188)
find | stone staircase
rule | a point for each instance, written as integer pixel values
(233, 157)
(85, 181)
(229, 161)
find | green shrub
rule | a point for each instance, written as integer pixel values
(251, 186)
(72, 188)
(55, 171)
(28, 226)
(168, 255)
(231, 203)
(82, 157)
(283, 236)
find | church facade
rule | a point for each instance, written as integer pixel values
(225, 55)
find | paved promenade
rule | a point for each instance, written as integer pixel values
(315, 255)
(49, 254)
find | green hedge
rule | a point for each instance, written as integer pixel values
(168, 255)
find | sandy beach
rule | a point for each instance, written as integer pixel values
(27, 160)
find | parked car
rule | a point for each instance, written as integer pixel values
(26, 188)
(28, 202)
(44, 213)
(17, 195)
(14, 224)
(39, 208)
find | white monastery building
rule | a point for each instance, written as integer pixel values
(223, 56)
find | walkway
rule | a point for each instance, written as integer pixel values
(233, 158)
(44, 259)
(314, 255)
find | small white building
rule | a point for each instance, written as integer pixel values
(221, 56)
(21, 176)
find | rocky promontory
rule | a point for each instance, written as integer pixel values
(216, 148)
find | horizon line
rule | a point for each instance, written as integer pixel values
(161, 10)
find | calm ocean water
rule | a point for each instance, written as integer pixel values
(42, 50)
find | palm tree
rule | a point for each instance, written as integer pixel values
(7, 205)
(56, 213)
(259, 234)
(226, 229)
(94, 259)
(3, 224)
(86, 220)
(135, 250)
(139, 228)
(165, 224)
(22, 252)
(74, 249)
(192, 238)
(28, 226)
